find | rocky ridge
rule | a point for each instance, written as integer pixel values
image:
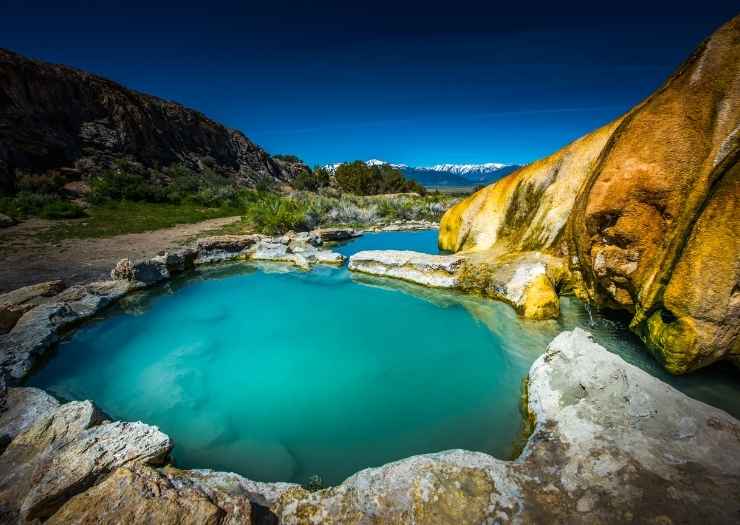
(54, 117)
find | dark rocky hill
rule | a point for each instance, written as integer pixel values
(54, 117)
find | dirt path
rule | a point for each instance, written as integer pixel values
(26, 260)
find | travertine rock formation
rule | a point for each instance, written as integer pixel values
(644, 211)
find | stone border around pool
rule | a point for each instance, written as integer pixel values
(610, 443)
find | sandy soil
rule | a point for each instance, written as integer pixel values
(25, 260)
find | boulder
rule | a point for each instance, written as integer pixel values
(21, 407)
(611, 444)
(258, 492)
(295, 249)
(335, 234)
(527, 281)
(270, 250)
(71, 467)
(224, 247)
(147, 272)
(179, 260)
(30, 448)
(140, 494)
(15, 303)
(439, 271)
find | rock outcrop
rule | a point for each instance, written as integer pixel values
(57, 117)
(611, 444)
(14, 304)
(64, 453)
(644, 211)
(20, 408)
(141, 494)
(527, 281)
(439, 271)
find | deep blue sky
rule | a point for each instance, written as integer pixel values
(404, 81)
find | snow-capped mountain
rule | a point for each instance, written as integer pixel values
(463, 169)
(457, 175)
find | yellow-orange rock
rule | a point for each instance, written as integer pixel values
(644, 210)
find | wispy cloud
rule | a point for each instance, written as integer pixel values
(475, 116)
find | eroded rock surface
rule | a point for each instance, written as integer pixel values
(147, 272)
(611, 444)
(38, 329)
(301, 249)
(644, 210)
(526, 281)
(17, 302)
(439, 271)
(19, 408)
(74, 465)
(141, 494)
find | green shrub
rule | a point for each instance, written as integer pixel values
(120, 185)
(275, 215)
(359, 178)
(312, 181)
(60, 209)
(25, 204)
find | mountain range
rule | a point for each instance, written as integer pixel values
(447, 175)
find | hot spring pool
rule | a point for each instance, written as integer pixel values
(281, 375)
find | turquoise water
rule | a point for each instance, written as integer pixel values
(281, 375)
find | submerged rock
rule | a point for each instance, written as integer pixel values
(611, 444)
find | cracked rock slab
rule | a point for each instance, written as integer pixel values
(438, 271)
(23, 406)
(141, 494)
(73, 466)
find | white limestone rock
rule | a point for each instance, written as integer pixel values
(438, 271)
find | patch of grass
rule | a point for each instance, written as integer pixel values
(117, 218)
(45, 205)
